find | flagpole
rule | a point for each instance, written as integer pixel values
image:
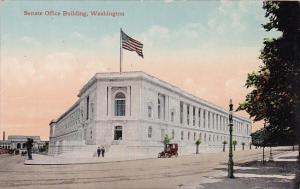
(121, 52)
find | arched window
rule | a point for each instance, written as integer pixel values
(118, 133)
(120, 104)
(200, 136)
(149, 132)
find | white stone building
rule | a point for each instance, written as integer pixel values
(18, 142)
(131, 112)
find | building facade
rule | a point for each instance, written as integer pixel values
(18, 142)
(133, 111)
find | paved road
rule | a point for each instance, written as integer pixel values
(181, 172)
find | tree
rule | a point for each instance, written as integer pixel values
(198, 142)
(276, 86)
(166, 141)
(224, 144)
(234, 143)
(243, 144)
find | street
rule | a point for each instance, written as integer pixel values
(182, 172)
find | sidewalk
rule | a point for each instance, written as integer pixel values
(273, 175)
(61, 160)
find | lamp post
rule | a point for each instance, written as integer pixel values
(230, 161)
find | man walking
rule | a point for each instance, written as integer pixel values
(103, 151)
(98, 151)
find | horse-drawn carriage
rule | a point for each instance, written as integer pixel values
(170, 150)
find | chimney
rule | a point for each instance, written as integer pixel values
(3, 135)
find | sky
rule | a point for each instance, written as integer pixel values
(204, 47)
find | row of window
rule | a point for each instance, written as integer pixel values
(191, 136)
(214, 121)
(210, 119)
(68, 122)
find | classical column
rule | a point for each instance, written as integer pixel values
(108, 101)
(128, 101)
(191, 115)
(201, 118)
(196, 117)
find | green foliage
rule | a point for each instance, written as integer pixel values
(276, 86)
(198, 142)
(234, 142)
(224, 142)
(243, 143)
(167, 140)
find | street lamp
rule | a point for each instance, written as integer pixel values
(230, 161)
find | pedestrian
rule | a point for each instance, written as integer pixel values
(103, 151)
(98, 151)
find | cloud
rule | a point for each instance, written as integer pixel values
(30, 41)
(90, 68)
(59, 63)
(155, 34)
(168, 1)
(190, 31)
(23, 71)
(78, 36)
(110, 41)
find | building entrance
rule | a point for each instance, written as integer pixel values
(118, 133)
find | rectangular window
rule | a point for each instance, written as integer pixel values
(149, 111)
(199, 117)
(87, 107)
(172, 116)
(208, 117)
(159, 109)
(188, 114)
(149, 132)
(213, 120)
(204, 121)
(194, 116)
(181, 112)
(217, 120)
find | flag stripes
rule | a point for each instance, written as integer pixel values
(131, 44)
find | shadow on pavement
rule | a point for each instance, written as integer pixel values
(254, 174)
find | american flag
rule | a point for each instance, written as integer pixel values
(131, 44)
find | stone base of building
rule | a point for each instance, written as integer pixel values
(120, 150)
